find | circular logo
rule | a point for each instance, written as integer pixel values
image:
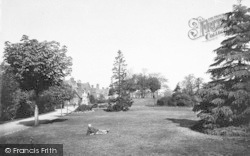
(7, 150)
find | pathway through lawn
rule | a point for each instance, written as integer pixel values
(144, 130)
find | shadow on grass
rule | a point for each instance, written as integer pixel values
(32, 122)
(184, 122)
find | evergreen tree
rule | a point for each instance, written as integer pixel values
(177, 88)
(123, 101)
(226, 99)
(119, 73)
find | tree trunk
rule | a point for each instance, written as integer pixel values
(61, 109)
(36, 111)
(36, 114)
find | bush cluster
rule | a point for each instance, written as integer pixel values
(20, 106)
(17, 103)
(177, 99)
(119, 104)
(83, 108)
(165, 101)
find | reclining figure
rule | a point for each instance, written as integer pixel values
(93, 131)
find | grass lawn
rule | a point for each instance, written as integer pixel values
(143, 130)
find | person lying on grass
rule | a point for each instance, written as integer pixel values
(93, 131)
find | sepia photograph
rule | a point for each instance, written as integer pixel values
(124, 77)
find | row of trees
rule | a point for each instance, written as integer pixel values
(186, 93)
(32, 72)
(142, 82)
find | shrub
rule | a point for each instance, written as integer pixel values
(9, 86)
(25, 110)
(110, 108)
(182, 99)
(92, 99)
(242, 119)
(83, 108)
(101, 101)
(54, 96)
(119, 104)
(45, 103)
(177, 99)
(24, 103)
(103, 105)
(165, 101)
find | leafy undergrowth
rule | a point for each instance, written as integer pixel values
(224, 131)
(230, 131)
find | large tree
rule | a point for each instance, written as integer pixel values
(226, 99)
(154, 84)
(37, 65)
(119, 73)
(123, 100)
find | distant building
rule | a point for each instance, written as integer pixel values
(85, 89)
(98, 92)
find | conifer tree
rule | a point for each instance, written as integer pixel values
(177, 88)
(123, 101)
(226, 99)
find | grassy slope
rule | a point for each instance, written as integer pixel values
(141, 131)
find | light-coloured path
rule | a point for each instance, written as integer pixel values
(15, 126)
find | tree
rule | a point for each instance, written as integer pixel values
(154, 84)
(130, 84)
(161, 78)
(180, 98)
(226, 99)
(123, 101)
(119, 73)
(37, 65)
(177, 88)
(142, 84)
(163, 82)
(191, 85)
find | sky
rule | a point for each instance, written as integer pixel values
(152, 34)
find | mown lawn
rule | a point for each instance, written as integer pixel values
(142, 131)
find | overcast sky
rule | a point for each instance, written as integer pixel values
(152, 34)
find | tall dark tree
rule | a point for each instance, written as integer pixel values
(119, 73)
(177, 88)
(123, 100)
(226, 99)
(37, 65)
